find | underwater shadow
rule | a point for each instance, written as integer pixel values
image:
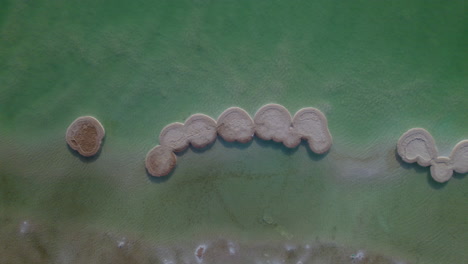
(420, 170)
(162, 179)
(235, 144)
(87, 159)
(459, 176)
(274, 145)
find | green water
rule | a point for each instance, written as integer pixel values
(375, 69)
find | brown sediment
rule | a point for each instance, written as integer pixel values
(459, 157)
(174, 137)
(160, 161)
(417, 145)
(235, 124)
(85, 135)
(312, 125)
(200, 130)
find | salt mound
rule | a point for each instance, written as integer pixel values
(273, 121)
(85, 135)
(417, 145)
(174, 137)
(459, 157)
(200, 130)
(312, 125)
(160, 161)
(235, 124)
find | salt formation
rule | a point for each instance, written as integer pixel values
(235, 124)
(312, 125)
(417, 145)
(160, 161)
(271, 122)
(85, 135)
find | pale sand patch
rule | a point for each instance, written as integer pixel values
(273, 121)
(174, 137)
(85, 135)
(459, 157)
(441, 169)
(417, 145)
(312, 125)
(200, 130)
(235, 124)
(160, 161)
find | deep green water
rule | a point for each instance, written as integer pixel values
(374, 68)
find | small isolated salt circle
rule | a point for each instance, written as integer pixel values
(85, 135)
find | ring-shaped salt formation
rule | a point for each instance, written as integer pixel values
(85, 135)
(271, 122)
(417, 145)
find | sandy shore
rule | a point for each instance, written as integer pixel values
(160, 161)
(417, 145)
(85, 135)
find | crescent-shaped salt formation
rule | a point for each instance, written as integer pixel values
(273, 121)
(235, 124)
(160, 161)
(417, 145)
(312, 125)
(174, 137)
(200, 130)
(85, 135)
(459, 157)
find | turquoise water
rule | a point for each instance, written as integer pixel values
(374, 69)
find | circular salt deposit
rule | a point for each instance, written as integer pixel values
(272, 121)
(174, 137)
(200, 130)
(235, 124)
(312, 125)
(85, 135)
(160, 161)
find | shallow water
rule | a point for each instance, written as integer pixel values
(374, 69)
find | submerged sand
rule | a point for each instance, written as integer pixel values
(271, 122)
(85, 135)
(417, 145)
